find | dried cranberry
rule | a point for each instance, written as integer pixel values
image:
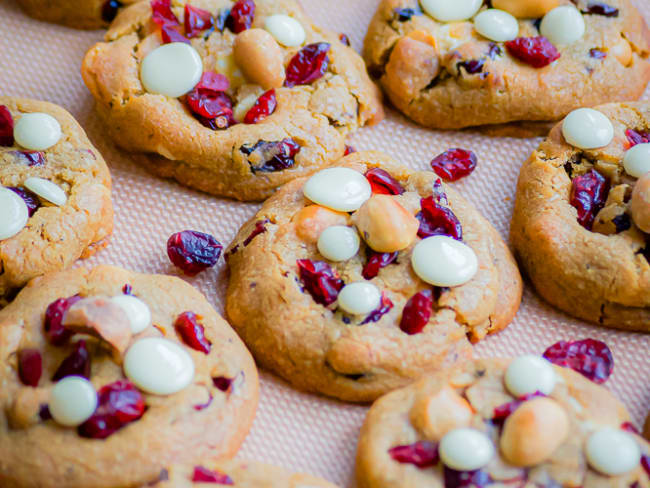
(196, 20)
(127, 289)
(6, 127)
(209, 102)
(454, 164)
(471, 66)
(637, 137)
(222, 383)
(203, 406)
(384, 307)
(417, 312)
(192, 332)
(205, 475)
(276, 155)
(241, 16)
(54, 331)
(44, 412)
(119, 404)
(260, 228)
(622, 222)
(423, 454)
(349, 150)
(161, 12)
(171, 33)
(405, 14)
(436, 220)
(502, 412)
(110, 9)
(462, 479)
(645, 462)
(264, 106)
(193, 251)
(589, 357)
(588, 196)
(630, 427)
(344, 39)
(597, 53)
(535, 51)
(600, 8)
(31, 200)
(76, 364)
(320, 280)
(382, 182)
(308, 65)
(376, 261)
(30, 366)
(30, 158)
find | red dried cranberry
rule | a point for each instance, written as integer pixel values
(171, 33)
(76, 364)
(31, 200)
(205, 475)
(436, 220)
(376, 261)
(462, 479)
(599, 8)
(161, 12)
(127, 289)
(423, 454)
(630, 427)
(260, 228)
(382, 182)
(203, 406)
(264, 106)
(384, 307)
(119, 404)
(241, 16)
(209, 101)
(193, 251)
(30, 158)
(471, 66)
(502, 412)
(589, 357)
(110, 9)
(454, 164)
(54, 331)
(308, 65)
(535, 51)
(192, 332)
(588, 196)
(6, 127)
(277, 155)
(30, 366)
(320, 280)
(645, 462)
(222, 383)
(597, 53)
(196, 20)
(349, 150)
(344, 39)
(637, 137)
(417, 312)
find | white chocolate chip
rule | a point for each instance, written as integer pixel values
(451, 10)
(338, 243)
(341, 189)
(528, 374)
(466, 449)
(286, 30)
(637, 160)
(443, 261)
(586, 128)
(73, 401)
(359, 298)
(14, 213)
(158, 366)
(563, 25)
(496, 25)
(37, 131)
(172, 69)
(46, 189)
(612, 451)
(136, 310)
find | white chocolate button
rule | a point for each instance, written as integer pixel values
(451, 10)
(496, 25)
(528, 374)
(466, 449)
(359, 298)
(586, 128)
(13, 213)
(137, 311)
(338, 243)
(172, 69)
(612, 451)
(37, 131)
(563, 25)
(341, 189)
(286, 30)
(46, 190)
(158, 366)
(443, 261)
(72, 401)
(637, 160)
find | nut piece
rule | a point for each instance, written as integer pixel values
(622, 51)
(312, 220)
(436, 415)
(260, 57)
(526, 9)
(640, 203)
(534, 431)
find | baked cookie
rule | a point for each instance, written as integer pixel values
(582, 216)
(353, 285)
(79, 14)
(55, 193)
(231, 99)
(501, 422)
(109, 376)
(454, 64)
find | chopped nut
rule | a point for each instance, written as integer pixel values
(385, 225)
(260, 57)
(312, 220)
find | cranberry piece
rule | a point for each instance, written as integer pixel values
(454, 164)
(127, 289)
(502, 412)
(6, 127)
(589, 357)
(349, 150)
(422, 453)
(209, 102)
(31, 200)
(630, 427)
(161, 12)
(376, 261)
(30, 366)
(535, 51)
(44, 412)
(30, 158)
(436, 220)
(382, 182)
(260, 228)
(264, 106)
(405, 14)
(637, 137)
(320, 280)
(344, 39)
(241, 16)
(110, 9)
(471, 66)
(588, 196)
(597, 53)
(599, 8)
(277, 155)
(119, 404)
(645, 462)
(222, 383)
(461, 479)
(417, 312)
(193, 251)
(171, 33)
(55, 333)
(205, 475)
(308, 65)
(384, 307)
(76, 364)
(196, 20)
(192, 332)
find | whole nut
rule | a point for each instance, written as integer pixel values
(260, 57)
(435, 415)
(385, 225)
(312, 220)
(526, 9)
(622, 51)
(534, 431)
(640, 203)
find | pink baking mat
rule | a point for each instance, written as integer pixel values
(295, 430)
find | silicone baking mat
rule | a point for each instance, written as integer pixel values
(299, 431)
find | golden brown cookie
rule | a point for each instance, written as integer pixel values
(64, 211)
(109, 376)
(323, 291)
(580, 215)
(276, 99)
(79, 14)
(487, 67)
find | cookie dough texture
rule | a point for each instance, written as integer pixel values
(438, 92)
(55, 236)
(171, 143)
(596, 276)
(41, 454)
(311, 346)
(79, 14)
(402, 418)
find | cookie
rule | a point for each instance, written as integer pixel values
(265, 96)
(79, 14)
(646, 428)
(449, 65)
(55, 193)
(352, 286)
(580, 227)
(110, 376)
(501, 422)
